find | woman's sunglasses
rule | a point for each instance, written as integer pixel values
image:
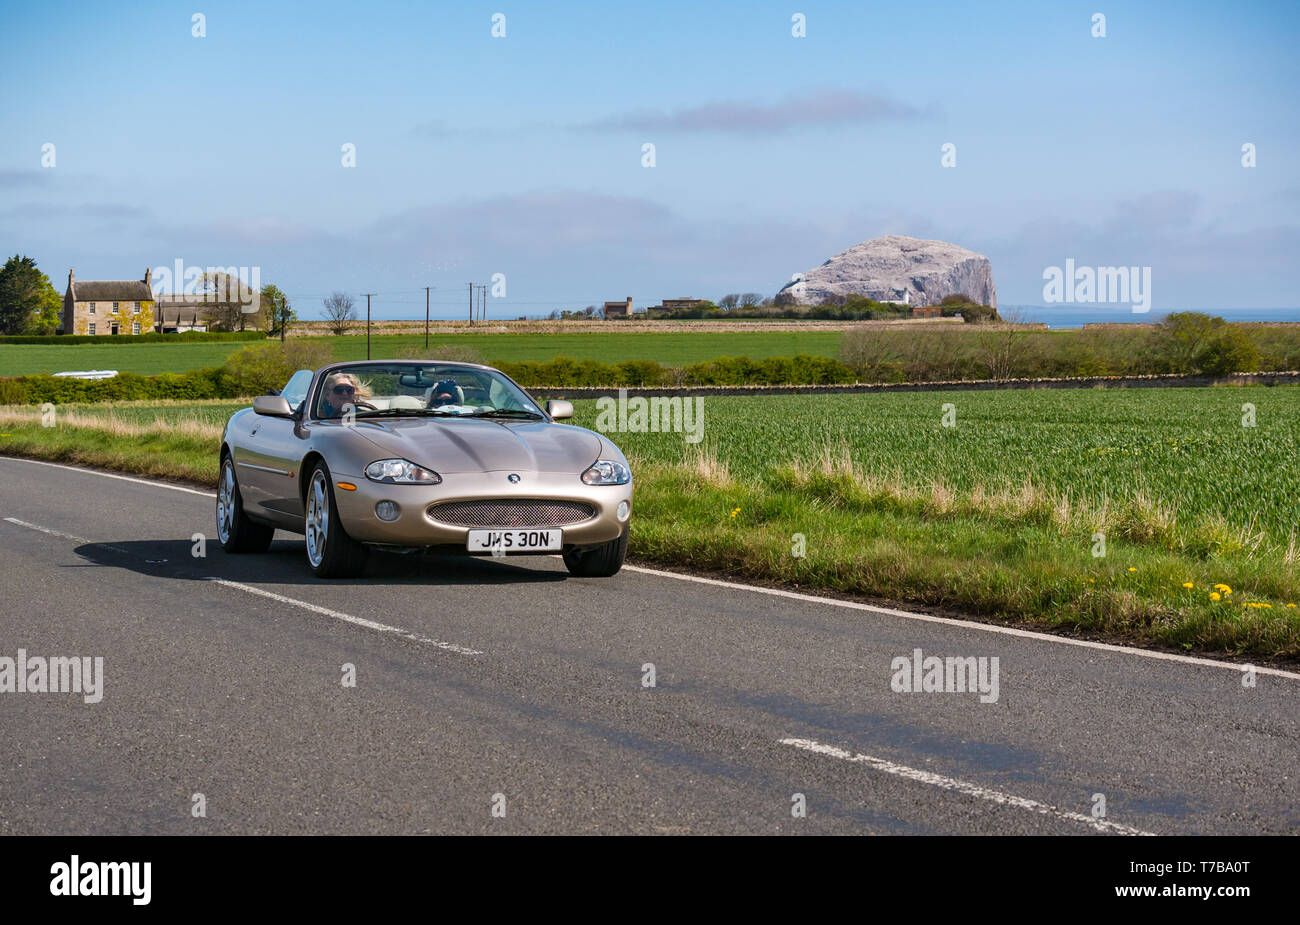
(343, 389)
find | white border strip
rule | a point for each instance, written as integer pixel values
(112, 475)
(961, 786)
(971, 624)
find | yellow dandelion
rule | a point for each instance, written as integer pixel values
(1188, 584)
(735, 512)
(1222, 587)
(1132, 569)
(1216, 596)
(1290, 605)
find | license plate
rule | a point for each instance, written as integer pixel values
(500, 542)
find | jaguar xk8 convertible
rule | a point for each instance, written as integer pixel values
(407, 454)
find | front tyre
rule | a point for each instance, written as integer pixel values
(234, 529)
(331, 553)
(597, 561)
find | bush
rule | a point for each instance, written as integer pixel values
(1194, 342)
(148, 338)
(452, 353)
(266, 367)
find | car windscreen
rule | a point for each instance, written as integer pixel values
(394, 389)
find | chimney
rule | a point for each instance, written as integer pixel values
(148, 276)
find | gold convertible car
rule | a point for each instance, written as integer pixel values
(416, 454)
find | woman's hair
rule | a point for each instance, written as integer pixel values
(333, 379)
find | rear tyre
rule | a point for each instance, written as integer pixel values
(331, 553)
(597, 561)
(235, 530)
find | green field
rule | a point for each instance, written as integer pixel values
(672, 349)
(1002, 516)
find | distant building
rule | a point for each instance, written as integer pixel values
(619, 309)
(178, 313)
(927, 311)
(96, 307)
(670, 304)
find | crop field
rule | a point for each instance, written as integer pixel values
(676, 348)
(1182, 449)
(1153, 516)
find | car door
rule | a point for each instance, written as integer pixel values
(268, 465)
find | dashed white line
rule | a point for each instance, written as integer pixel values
(67, 536)
(347, 618)
(305, 605)
(1238, 667)
(961, 786)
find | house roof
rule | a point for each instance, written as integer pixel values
(111, 290)
(183, 315)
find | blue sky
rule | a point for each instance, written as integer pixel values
(522, 155)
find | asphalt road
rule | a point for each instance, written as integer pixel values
(483, 683)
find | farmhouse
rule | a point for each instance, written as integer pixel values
(108, 306)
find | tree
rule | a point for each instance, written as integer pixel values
(340, 312)
(1002, 345)
(271, 298)
(750, 299)
(1194, 342)
(28, 302)
(225, 297)
(729, 301)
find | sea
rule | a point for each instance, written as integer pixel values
(1076, 316)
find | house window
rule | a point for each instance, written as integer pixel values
(114, 311)
(92, 328)
(135, 310)
(135, 327)
(92, 308)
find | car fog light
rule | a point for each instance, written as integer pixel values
(622, 510)
(387, 511)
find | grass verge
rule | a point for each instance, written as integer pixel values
(1018, 553)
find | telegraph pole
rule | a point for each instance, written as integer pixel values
(284, 316)
(471, 303)
(368, 295)
(426, 317)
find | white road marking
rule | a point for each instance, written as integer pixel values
(67, 536)
(961, 786)
(314, 608)
(1238, 667)
(829, 601)
(346, 617)
(111, 475)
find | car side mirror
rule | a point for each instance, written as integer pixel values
(559, 408)
(276, 406)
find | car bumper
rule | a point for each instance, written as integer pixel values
(415, 527)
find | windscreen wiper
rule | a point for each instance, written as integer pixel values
(505, 413)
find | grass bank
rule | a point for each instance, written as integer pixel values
(1156, 518)
(672, 349)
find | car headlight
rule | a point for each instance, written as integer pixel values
(607, 472)
(400, 472)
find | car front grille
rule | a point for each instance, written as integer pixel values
(511, 512)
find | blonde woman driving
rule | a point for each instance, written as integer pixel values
(341, 391)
